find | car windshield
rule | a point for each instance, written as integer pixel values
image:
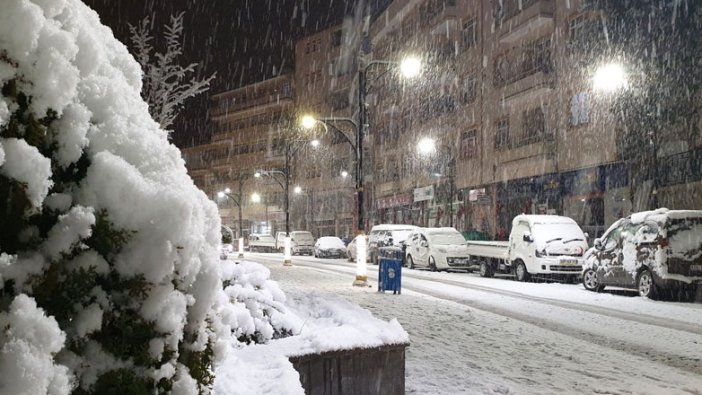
(399, 236)
(447, 238)
(305, 237)
(550, 233)
(330, 242)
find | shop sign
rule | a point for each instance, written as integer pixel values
(475, 195)
(423, 194)
(399, 200)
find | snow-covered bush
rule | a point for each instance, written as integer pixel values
(109, 264)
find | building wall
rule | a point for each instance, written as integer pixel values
(248, 137)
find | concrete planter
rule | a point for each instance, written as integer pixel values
(366, 371)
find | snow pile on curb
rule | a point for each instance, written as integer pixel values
(320, 325)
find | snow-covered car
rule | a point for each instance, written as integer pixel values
(385, 235)
(226, 251)
(329, 247)
(351, 250)
(437, 249)
(261, 243)
(648, 251)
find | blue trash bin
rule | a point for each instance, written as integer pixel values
(390, 269)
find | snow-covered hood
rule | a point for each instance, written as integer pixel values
(558, 247)
(452, 249)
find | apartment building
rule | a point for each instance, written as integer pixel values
(508, 93)
(251, 130)
(326, 64)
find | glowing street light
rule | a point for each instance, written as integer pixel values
(297, 190)
(410, 67)
(314, 143)
(426, 146)
(255, 197)
(308, 121)
(609, 77)
(344, 173)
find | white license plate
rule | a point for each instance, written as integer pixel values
(569, 262)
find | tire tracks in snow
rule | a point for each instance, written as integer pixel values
(688, 364)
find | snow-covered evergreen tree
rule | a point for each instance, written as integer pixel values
(110, 279)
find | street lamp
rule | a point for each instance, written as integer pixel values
(427, 147)
(284, 183)
(409, 67)
(609, 78)
(255, 197)
(297, 190)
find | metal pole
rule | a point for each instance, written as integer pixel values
(241, 220)
(287, 185)
(359, 147)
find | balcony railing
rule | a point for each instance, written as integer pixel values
(517, 22)
(280, 98)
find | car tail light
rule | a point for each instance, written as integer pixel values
(663, 243)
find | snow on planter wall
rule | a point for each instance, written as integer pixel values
(108, 252)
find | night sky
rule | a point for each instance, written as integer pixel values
(243, 41)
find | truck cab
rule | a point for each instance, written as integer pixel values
(302, 242)
(546, 245)
(541, 245)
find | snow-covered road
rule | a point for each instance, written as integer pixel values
(476, 335)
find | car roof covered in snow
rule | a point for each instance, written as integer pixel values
(393, 227)
(538, 219)
(444, 230)
(662, 214)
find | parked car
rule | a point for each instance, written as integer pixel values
(261, 243)
(329, 247)
(302, 242)
(650, 252)
(387, 235)
(437, 249)
(226, 251)
(351, 250)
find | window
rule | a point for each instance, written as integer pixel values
(502, 134)
(534, 125)
(468, 34)
(576, 28)
(340, 100)
(336, 38)
(579, 109)
(468, 146)
(468, 90)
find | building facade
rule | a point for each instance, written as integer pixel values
(507, 94)
(250, 135)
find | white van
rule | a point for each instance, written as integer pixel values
(302, 242)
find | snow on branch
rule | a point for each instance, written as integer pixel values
(166, 84)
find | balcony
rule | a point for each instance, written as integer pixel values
(529, 88)
(535, 15)
(259, 103)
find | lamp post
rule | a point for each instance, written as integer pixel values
(427, 147)
(226, 193)
(410, 67)
(290, 150)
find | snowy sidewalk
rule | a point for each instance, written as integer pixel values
(459, 349)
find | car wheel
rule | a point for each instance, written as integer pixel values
(645, 285)
(521, 272)
(485, 270)
(590, 281)
(410, 262)
(432, 264)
